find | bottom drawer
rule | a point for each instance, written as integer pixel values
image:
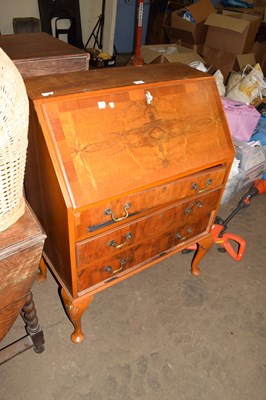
(144, 239)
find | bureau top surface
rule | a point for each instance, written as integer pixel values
(107, 78)
(36, 45)
(111, 141)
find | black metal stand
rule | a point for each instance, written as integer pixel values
(97, 32)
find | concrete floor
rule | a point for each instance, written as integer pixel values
(162, 334)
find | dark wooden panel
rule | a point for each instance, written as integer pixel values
(39, 53)
(20, 252)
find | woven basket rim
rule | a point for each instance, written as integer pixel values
(14, 122)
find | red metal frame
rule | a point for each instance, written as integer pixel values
(137, 59)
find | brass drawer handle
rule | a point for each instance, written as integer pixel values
(109, 269)
(119, 246)
(189, 210)
(110, 212)
(179, 236)
(195, 187)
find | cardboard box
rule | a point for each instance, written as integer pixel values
(165, 53)
(259, 50)
(258, 11)
(196, 47)
(227, 33)
(254, 22)
(176, 27)
(219, 59)
(244, 59)
(226, 62)
(261, 4)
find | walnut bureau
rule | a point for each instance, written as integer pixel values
(126, 166)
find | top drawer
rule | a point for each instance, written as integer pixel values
(92, 220)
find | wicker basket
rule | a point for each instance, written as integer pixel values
(14, 120)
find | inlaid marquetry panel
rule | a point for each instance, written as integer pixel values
(113, 142)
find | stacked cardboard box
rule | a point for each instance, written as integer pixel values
(186, 38)
(229, 40)
(187, 33)
(224, 38)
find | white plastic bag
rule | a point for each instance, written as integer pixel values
(246, 86)
(220, 82)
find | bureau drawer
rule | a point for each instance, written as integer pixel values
(92, 220)
(142, 240)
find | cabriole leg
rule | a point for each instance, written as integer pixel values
(42, 273)
(75, 311)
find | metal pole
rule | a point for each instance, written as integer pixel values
(137, 59)
(102, 16)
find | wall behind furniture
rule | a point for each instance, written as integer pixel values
(89, 13)
(125, 27)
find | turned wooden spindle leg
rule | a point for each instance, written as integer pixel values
(42, 272)
(204, 246)
(33, 329)
(75, 311)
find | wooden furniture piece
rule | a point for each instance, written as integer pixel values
(39, 53)
(21, 248)
(26, 25)
(125, 167)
